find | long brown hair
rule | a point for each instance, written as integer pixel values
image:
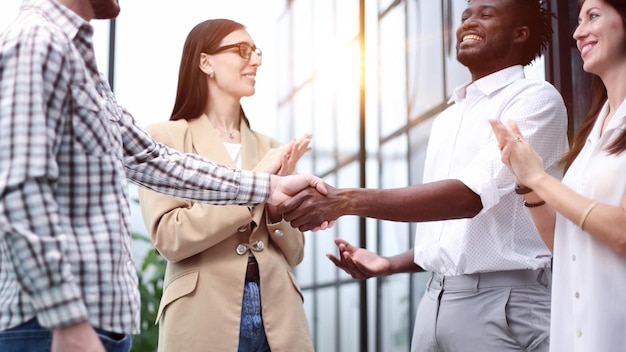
(598, 90)
(192, 92)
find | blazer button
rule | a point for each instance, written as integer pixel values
(243, 228)
(241, 249)
(259, 245)
(278, 232)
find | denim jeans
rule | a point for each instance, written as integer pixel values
(251, 331)
(31, 337)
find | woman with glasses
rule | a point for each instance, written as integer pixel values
(584, 218)
(228, 284)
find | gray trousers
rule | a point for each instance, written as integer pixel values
(488, 312)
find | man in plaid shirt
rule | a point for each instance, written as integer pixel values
(66, 150)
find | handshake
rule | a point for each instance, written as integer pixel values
(306, 201)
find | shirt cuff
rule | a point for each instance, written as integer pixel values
(60, 306)
(254, 188)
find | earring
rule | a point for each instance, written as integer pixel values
(211, 74)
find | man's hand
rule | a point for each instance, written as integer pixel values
(284, 187)
(79, 337)
(308, 209)
(358, 262)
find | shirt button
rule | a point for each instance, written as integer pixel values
(579, 334)
(573, 257)
(259, 245)
(243, 228)
(278, 232)
(53, 255)
(241, 249)
(577, 295)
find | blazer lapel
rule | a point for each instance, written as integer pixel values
(252, 150)
(206, 141)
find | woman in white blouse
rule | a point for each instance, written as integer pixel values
(583, 219)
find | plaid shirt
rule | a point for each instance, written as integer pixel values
(66, 149)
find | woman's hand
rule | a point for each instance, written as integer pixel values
(296, 148)
(282, 161)
(517, 153)
(273, 159)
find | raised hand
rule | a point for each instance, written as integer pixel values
(517, 153)
(282, 160)
(358, 262)
(293, 152)
(273, 159)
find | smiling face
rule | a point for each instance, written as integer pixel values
(234, 74)
(486, 38)
(600, 37)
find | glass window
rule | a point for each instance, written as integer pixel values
(395, 302)
(347, 94)
(302, 120)
(325, 33)
(392, 71)
(349, 314)
(284, 56)
(326, 320)
(456, 74)
(301, 49)
(324, 135)
(425, 57)
(347, 20)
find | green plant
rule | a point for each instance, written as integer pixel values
(150, 289)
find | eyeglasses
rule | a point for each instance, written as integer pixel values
(245, 49)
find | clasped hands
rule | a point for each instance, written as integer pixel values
(303, 200)
(306, 202)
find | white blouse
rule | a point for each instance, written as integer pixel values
(589, 278)
(234, 150)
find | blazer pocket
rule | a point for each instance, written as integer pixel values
(180, 286)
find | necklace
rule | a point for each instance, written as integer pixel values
(231, 134)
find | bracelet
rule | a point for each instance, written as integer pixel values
(534, 205)
(522, 189)
(586, 213)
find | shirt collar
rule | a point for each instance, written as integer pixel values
(67, 20)
(617, 122)
(490, 83)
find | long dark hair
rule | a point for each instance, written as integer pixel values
(598, 89)
(193, 91)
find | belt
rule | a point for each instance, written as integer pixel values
(541, 277)
(252, 273)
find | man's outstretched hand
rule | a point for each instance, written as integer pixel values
(358, 262)
(284, 187)
(310, 208)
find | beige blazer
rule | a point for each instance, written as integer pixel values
(201, 304)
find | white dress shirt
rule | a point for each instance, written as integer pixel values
(589, 278)
(462, 146)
